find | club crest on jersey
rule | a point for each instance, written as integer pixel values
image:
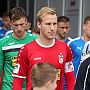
(14, 60)
(60, 57)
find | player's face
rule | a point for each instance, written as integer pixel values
(63, 29)
(6, 21)
(19, 27)
(87, 29)
(48, 27)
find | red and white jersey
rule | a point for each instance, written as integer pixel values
(59, 55)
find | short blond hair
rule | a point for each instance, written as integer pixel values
(43, 12)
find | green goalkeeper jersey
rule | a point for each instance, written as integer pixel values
(9, 47)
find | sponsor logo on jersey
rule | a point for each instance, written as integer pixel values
(80, 48)
(11, 43)
(59, 74)
(37, 58)
(69, 67)
(60, 57)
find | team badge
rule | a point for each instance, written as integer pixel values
(14, 60)
(60, 57)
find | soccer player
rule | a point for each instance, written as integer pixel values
(63, 29)
(45, 49)
(83, 76)
(10, 45)
(78, 43)
(46, 80)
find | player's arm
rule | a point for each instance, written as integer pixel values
(20, 70)
(1, 63)
(83, 76)
(1, 58)
(69, 70)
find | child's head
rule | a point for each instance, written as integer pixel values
(44, 75)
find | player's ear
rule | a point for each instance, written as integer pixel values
(47, 84)
(39, 25)
(84, 27)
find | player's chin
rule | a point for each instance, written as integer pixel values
(64, 36)
(51, 37)
(19, 34)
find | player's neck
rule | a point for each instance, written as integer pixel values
(45, 43)
(85, 38)
(6, 28)
(36, 88)
(60, 38)
(19, 37)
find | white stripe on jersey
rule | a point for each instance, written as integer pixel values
(86, 77)
(18, 76)
(13, 46)
(73, 40)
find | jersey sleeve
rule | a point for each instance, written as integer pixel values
(69, 70)
(20, 71)
(1, 63)
(22, 64)
(1, 58)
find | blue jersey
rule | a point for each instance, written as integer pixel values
(68, 39)
(77, 45)
(1, 22)
(3, 32)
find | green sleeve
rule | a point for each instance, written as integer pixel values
(1, 58)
